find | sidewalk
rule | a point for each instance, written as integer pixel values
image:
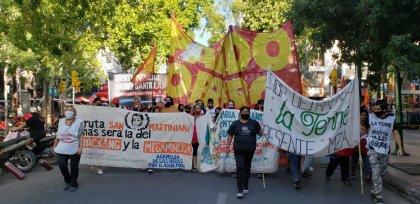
(397, 177)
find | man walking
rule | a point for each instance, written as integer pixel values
(378, 145)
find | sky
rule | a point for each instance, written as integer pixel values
(201, 37)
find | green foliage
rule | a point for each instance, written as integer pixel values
(373, 32)
(54, 37)
(130, 28)
(261, 16)
(270, 15)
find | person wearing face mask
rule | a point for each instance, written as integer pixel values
(169, 106)
(211, 108)
(67, 146)
(216, 114)
(260, 105)
(188, 109)
(231, 104)
(115, 102)
(181, 108)
(364, 129)
(136, 104)
(201, 103)
(381, 125)
(245, 132)
(196, 113)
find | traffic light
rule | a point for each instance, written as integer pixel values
(75, 79)
(62, 87)
(334, 78)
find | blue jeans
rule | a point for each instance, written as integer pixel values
(295, 166)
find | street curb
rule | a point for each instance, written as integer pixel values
(403, 188)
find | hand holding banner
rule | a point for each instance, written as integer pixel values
(307, 127)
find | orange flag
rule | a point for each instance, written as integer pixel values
(146, 69)
(343, 82)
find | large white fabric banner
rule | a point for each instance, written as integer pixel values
(213, 155)
(307, 127)
(121, 138)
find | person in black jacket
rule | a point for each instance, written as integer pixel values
(245, 131)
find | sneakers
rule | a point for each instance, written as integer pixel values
(376, 200)
(66, 187)
(347, 182)
(311, 168)
(379, 201)
(327, 178)
(73, 188)
(306, 175)
(150, 171)
(100, 172)
(239, 195)
(194, 170)
(245, 191)
(296, 185)
(233, 175)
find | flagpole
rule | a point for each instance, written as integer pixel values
(153, 82)
(361, 168)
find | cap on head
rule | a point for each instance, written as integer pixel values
(26, 116)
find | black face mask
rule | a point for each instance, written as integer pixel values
(379, 113)
(167, 105)
(245, 116)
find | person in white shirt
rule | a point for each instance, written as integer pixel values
(381, 127)
(67, 146)
(211, 108)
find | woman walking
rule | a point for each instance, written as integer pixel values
(196, 113)
(67, 146)
(245, 132)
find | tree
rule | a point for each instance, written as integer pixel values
(130, 28)
(381, 34)
(270, 15)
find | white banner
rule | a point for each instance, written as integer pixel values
(213, 155)
(307, 127)
(122, 138)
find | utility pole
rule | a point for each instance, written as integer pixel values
(73, 90)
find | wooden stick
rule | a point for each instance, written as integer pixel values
(263, 180)
(361, 168)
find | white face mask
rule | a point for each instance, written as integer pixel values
(69, 114)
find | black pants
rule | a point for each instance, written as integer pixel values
(243, 168)
(69, 178)
(344, 163)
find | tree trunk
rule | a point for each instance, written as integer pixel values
(398, 111)
(359, 78)
(378, 91)
(46, 106)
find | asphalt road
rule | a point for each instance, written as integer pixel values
(123, 186)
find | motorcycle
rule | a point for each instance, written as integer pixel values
(42, 153)
(47, 147)
(12, 153)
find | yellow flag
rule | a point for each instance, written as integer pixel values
(146, 69)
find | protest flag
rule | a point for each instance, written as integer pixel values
(146, 69)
